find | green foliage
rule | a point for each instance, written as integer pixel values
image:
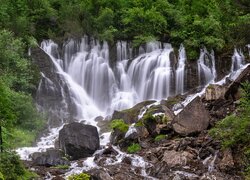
(17, 111)
(160, 137)
(135, 147)
(214, 23)
(12, 168)
(139, 123)
(120, 125)
(82, 176)
(1, 176)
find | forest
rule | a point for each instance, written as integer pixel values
(215, 24)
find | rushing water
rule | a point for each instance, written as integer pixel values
(96, 89)
(206, 67)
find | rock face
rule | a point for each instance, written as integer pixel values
(192, 119)
(52, 157)
(214, 92)
(52, 91)
(233, 88)
(79, 140)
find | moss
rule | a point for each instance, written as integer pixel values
(139, 124)
(135, 147)
(120, 125)
(165, 119)
(160, 137)
(82, 176)
(61, 167)
(149, 118)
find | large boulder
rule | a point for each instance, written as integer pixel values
(192, 119)
(79, 140)
(214, 92)
(52, 157)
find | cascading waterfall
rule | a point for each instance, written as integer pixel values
(180, 72)
(237, 60)
(206, 67)
(95, 89)
(85, 107)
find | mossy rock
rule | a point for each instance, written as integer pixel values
(172, 101)
(120, 125)
(131, 115)
(133, 148)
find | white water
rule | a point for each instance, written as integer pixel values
(206, 67)
(180, 72)
(237, 60)
(96, 89)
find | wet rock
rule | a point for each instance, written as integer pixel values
(99, 174)
(79, 140)
(227, 162)
(53, 91)
(214, 92)
(117, 137)
(52, 157)
(233, 88)
(192, 119)
(131, 115)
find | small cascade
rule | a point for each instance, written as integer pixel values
(180, 72)
(123, 51)
(237, 60)
(151, 74)
(206, 67)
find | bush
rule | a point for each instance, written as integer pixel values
(12, 168)
(120, 125)
(82, 176)
(135, 147)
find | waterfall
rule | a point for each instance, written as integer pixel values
(206, 67)
(86, 86)
(237, 60)
(152, 75)
(85, 107)
(180, 72)
(86, 63)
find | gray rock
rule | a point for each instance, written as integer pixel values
(52, 157)
(192, 119)
(79, 140)
(214, 92)
(177, 159)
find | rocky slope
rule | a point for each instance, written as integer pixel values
(166, 146)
